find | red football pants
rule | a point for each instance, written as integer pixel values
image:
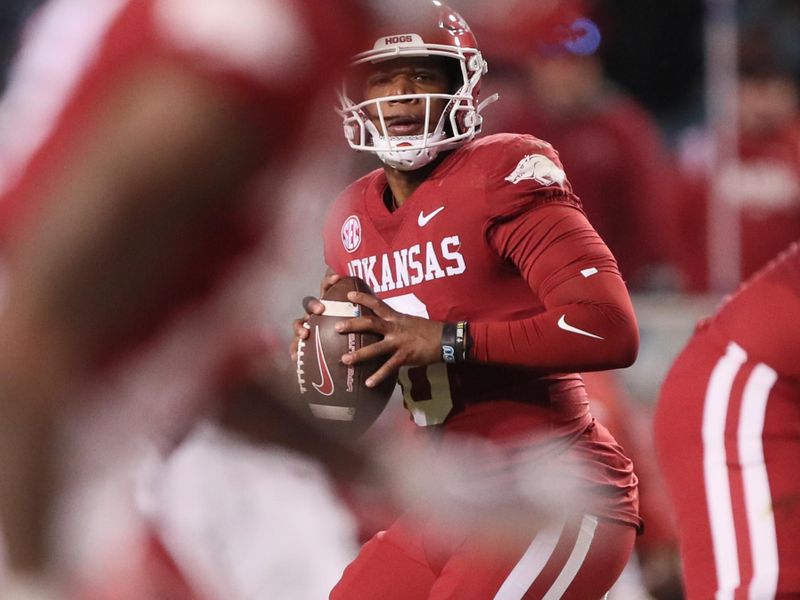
(728, 439)
(577, 559)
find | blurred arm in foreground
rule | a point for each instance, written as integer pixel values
(135, 200)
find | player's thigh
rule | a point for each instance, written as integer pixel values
(389, 567)
(578, 558)
(728, 448)
(678, 425)
(772, 491)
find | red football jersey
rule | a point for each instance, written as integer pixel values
(444, 255)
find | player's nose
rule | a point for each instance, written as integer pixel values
(402, 85)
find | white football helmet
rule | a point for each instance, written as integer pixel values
(443, 33)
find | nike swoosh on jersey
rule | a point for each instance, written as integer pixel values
(424, 219)
(562, 324)
(324, 387)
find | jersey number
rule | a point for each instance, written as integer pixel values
(426, 390)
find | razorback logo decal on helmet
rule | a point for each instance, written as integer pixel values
(539, 168)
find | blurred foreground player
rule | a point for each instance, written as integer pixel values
(492, 291)
(133, 133)
(728, 439)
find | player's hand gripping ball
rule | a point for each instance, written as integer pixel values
(334, 392)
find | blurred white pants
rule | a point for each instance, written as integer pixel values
(248, 522)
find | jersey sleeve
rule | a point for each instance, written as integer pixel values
(550, 244)
(588, 322)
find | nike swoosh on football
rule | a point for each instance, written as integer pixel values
(562, 324)
(424, 219)
(324, 387)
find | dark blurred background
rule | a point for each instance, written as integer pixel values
(653, 49)
(13, 14)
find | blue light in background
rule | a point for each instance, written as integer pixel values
(583, 37)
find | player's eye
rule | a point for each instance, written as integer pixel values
(378, 79)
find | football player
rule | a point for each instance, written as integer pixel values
(726, 432)
(493, 291)
(133, 134)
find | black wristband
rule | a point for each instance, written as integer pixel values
(455, 342)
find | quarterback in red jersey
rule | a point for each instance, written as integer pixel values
(492, 291)
(726, 428)
(137, 130)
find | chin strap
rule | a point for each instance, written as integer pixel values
(391, 152)
(408, 160)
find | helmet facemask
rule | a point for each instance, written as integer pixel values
(458, 123)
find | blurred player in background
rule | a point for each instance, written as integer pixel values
(493, 289)
(761, 186)
(727, 438)
(133, 134)
(612, 147)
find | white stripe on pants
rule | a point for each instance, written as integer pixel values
(760, 521)
(530, 566)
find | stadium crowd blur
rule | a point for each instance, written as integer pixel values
(691, 192)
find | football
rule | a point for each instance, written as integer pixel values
(335, 393)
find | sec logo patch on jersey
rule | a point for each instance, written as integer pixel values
(351, 233)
